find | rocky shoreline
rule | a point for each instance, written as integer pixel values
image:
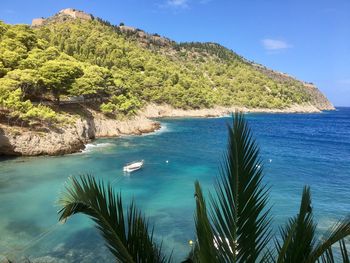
(159, 111)
(17, 141)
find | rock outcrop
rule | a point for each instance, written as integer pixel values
(317, 98)
(69, 139)
(145, 39)
(38, 21)
(75, 14)
(61, 16)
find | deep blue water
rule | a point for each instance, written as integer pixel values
(297, 149)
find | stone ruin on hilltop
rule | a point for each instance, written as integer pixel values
(72, 13)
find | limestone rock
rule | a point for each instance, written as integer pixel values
(69, 139)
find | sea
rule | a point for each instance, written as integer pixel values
(296, 150)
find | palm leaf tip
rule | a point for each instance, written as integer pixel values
(336, 234)
(127, 237)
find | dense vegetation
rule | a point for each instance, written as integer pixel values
(92, 59)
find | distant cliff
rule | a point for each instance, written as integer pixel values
(317, 98)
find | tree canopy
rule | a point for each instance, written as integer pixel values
(94, 58)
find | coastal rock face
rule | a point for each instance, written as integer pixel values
(16, 141)
(105, 127)
(69, 139)
(158, 111)
(317, 98)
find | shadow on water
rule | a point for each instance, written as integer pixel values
(5, 146)
(26, 226)
(4, 158)
(82, 246)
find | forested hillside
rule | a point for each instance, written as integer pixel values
(122, 69)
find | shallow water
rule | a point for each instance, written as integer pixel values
(297, 149)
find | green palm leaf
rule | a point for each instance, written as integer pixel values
(287, 235)
(344, 252)
(336, 234)
(205, 250)
(298, 235)
(239, 214)
(298, 238)
(127, 238)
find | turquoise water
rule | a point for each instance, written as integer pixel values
(297, 149)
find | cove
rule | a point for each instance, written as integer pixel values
(297, 149)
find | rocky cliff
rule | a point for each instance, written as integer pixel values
(317, 98)
(69, 139)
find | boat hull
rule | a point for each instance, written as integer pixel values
(131, 167)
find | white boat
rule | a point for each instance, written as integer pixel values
(134, 166)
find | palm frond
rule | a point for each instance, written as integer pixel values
(127, 238)
(205, 251)
(239, 210)
(344, 251)
(328, 255)
(287, 235)
(298, 235)
(268, 256)
(334, 235)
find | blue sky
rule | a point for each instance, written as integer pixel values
(306, 39)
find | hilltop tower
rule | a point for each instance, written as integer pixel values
(38, 21)
(61, 15)
(75, 14)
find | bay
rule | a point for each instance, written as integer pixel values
(296, 149)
